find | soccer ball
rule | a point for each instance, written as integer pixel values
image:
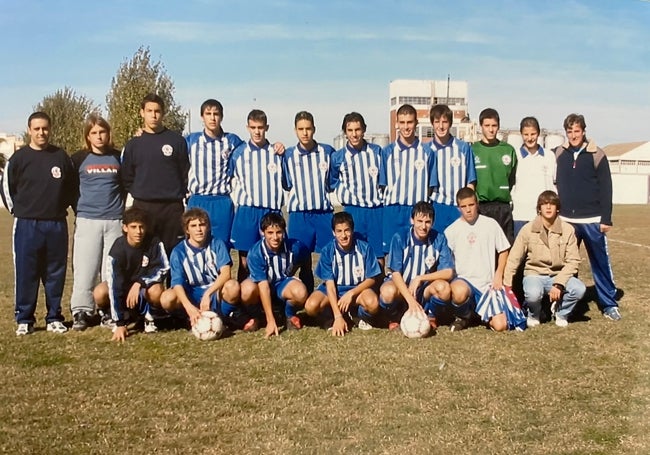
(415, 324)
(209, 326)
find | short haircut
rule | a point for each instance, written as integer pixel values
(351, 118)
(464, 193)
(211, 103)
(407, 109)
(194, 213)
(135, 215)
(548, 197)
(342, 218)
(489, 113)
(257, 115)
(572, 119)
(303, 115)
(527, 122)
(423, 208)
(96, 120)
(153, 98)
(441, 110)
(39, 115)
(272, 219)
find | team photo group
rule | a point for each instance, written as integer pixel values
(442, 233)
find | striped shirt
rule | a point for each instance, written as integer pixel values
(412, 257)
(306, 175)
(354, 175)
(407, 173)
(266, 265)
(198, 267)
(209, 159)
(347, 268)
(455, 166)
(257, 177)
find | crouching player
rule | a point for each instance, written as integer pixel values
(137, 268)
(200, 268)
(349, 270)
(421, 267)
(272, 262)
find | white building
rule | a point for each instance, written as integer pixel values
(630, 167)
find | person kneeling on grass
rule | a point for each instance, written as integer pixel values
(421, 267)
(137, 268)
(550, 250)
(200, 269)
(349, 270)
(272, 262)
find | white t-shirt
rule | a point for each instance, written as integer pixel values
(475, 247)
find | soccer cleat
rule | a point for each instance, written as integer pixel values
(459, 324)
(150, 326)
(433, 322)
(363, 325)
(560, 321)
(80, 321)
(532, 322)
(294, 323)
(24, 329)
(393, 326)
(107, 322)
(56, 327)
(612, 314)
(251, 326)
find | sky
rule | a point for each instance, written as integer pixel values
(331, 57)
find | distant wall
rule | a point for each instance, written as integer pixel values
(631, 189)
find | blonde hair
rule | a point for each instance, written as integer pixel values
(91, 121)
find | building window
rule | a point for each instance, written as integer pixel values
(449, 101)
(393, 101)
(419, 100)
(426, 131)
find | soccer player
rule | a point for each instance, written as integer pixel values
(420, 268)
(354, 176)
(475, 240)
(38, 185)
(496, 163)
(200, 269)
(306, 177)
(154, 171)
(99, 212)
(549, 248)
(584, 184)
(138, 267)
(407, 175)
(257, 178)
(455, 167)
(272, 262)
(535, 174)
(349, 270)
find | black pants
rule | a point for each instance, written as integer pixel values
(502, 213)
(165, 219)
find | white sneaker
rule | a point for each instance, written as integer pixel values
(532, 322)
(56, 327)
(560, 321)
(24, 329)
(149, 324)
(363, 325)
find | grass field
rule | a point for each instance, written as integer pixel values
(581, 390)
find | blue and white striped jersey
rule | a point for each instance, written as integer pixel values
(411, 257)
(407, 173)
(209, 159)
(198, 267)
(257, 176)
(354, 175)
(347, 268)
(455, 163)
(306, 177)
(266, 265)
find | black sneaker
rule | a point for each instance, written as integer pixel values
(459, 324)
(80, 321)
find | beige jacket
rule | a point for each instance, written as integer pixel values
(553, 253)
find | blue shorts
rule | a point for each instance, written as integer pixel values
(444, 215)
(395, 219)
(312, 228)
(355, 308)
(195, 294)
(220, 211)
(368, 226)
(429, 305)
(475, 294)
(246, 227)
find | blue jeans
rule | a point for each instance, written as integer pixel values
(537, 286)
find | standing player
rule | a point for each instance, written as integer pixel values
(272, 262)
(349, 270)
(354, 176)
(420, 266)
(154, 171)
(455, 166)
(38, 185)
(408, 175)
(496, 163)
(257, 178)
(306, 176)
(200, 269)
(584, 185)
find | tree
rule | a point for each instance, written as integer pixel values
(68, 111)
(134, 80)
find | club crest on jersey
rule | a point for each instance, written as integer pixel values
(419, 164)
(272, 168)
(358, 272)
(145, 261)
(167, 150)
(430, 261)
(477, 160)
(506, 160)
(56, 172)
(455, 161)
(471, 238)
(373, 171)
(322, 166)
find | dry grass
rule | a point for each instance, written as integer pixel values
(582, 390)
